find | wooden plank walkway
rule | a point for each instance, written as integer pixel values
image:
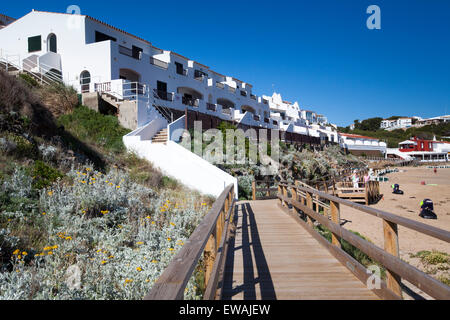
(273, 257)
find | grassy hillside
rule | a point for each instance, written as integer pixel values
(81, 218)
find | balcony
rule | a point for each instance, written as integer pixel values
(211, 107)
(190, 102)
(199, 75)
(163, 95)
(135, 54)
(159, 63)
(227, 111)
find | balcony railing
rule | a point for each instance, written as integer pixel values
(129, 52)
(199, 75)
(226, 111)
(163, 95)
(211, 107)
(182, 72)
(190, 102)
(159, 63)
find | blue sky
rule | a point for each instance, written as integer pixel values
(319, 53)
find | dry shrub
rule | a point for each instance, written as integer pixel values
(59, 99)
(16, 96)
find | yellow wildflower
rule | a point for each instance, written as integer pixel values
(104, 261)
(139, 243)
(50, 253)
(69, 238)
(16, 252)
(43, 213)
(139, 269)
(24, 253)
(50, 193)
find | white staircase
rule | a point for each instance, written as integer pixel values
(152, 143)
(44, 74)
(398, 153)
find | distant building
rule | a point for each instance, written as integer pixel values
(431, 121)
(400, 123)
(362, 145)
(422, 150)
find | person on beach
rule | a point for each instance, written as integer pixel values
(355, 179)
(366, 179)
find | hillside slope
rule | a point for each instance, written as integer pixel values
(81, 218)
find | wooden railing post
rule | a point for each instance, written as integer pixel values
(309, 204)
(285, 194)
(280, 193)
(254, 190)
(210, 256)
(390, 230)
(336, 218)
(294, 198)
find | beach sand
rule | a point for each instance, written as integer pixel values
(408, 206)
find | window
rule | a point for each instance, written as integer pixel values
(85, 77)
(136, 52)
(34, 44)
(99, 37)
(51, 43)
(179, 67)
(85, 80)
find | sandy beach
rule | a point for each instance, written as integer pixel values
(407, 206)
(437, 189)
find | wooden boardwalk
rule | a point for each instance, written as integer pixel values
(273, 257)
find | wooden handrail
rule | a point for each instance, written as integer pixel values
(268, 190)
(209, 238)
(396, 268)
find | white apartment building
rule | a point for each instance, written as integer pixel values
(97, 58)
(400, 123)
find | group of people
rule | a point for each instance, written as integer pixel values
(369, 176)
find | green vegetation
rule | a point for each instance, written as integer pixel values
(43, 175)
(432, 257)
(93, 127)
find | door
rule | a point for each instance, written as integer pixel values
(161, 88)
